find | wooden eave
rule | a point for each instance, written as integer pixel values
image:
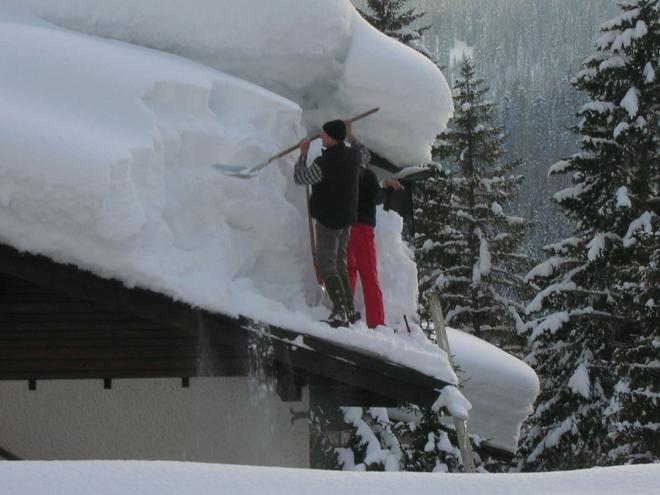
(356, 378)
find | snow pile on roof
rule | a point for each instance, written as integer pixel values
(176, 478)
(105, 153)
(501, 388)
(319, 53)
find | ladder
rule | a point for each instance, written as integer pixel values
(459, 425)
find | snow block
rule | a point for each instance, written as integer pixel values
(319, 53)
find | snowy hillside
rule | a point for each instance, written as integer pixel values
(165, 478)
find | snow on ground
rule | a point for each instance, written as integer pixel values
(319, 53)
(105, 153)
(178, 478)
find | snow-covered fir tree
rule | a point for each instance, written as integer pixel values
(418, 441)
(595, 317)
(394, 18)
(466, 241)
(373, 446)
(429, 445)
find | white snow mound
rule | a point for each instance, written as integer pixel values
(319, 53)
(175, 478)
(501, 388)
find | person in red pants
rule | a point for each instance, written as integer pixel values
(362, 258)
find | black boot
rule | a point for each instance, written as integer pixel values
(351, 315)
(337, 318)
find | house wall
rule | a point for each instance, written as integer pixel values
(225, 420)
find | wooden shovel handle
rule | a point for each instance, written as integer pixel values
(363, 115)
(318, 135)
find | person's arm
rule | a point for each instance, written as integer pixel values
(393, 184)
(387, 184)
(302, 174)
(370, 187)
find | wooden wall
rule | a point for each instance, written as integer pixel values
(46, 334)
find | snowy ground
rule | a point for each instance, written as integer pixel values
(165, 478)
(106, 150)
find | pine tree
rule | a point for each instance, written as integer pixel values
(393, 18)
(595, 319)
(428, 445)
(466, 242)
(373, 445)
(633, 415)
(420, 443)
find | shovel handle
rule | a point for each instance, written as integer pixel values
(292, 148)
(318, 135)
(363, 115)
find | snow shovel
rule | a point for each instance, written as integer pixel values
(323, 297)
(249, 171)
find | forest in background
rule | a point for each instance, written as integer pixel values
(527, 51)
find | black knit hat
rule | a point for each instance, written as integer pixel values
(336, 129)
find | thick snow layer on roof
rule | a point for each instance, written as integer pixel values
(501, 388)
(176, 478)
(319, 53)
(105, 153)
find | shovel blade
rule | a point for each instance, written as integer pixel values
(240, 171)
(229, 169)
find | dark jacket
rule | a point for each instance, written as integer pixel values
(334, 199)
(370, 195)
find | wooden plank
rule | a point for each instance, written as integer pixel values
(101, 365)
(24, 325)
(73, 370)
(96, 374)
(55, 352)
(30, 297)
(47, 307)
(93, 343)
(11, 317)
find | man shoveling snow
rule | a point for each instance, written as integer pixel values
(334, 177)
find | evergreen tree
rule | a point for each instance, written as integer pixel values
(420, 443)
(466, 243)
(633, 416)
(393, 18)
(595, 318)
(373, 445)
(429, 446)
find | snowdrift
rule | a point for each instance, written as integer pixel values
(176, 478)
(319, 53)
(106, 147)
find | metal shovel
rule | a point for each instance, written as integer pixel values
(248, 171)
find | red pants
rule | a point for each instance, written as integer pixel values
(362, 259)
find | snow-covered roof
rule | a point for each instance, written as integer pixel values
(106, 147)
(501, 389)
(105, 161)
